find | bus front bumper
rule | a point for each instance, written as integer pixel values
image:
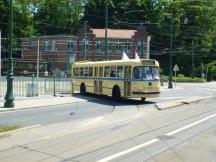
(145, 94)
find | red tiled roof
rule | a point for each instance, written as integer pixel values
(114, 33)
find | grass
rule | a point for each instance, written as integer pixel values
(188, 79)
(5, 128)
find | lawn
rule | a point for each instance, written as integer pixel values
(5, 128)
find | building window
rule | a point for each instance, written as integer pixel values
(127, 47)
(98, 46)
(140, 47)
(118, 47)
(31, 43)
(70, 46)
(109, 46)
(85, 45)
(53, 46)
(46, 46)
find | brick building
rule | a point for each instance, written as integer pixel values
(89, 44)
(54, 52)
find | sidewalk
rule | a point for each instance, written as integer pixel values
(42, 101)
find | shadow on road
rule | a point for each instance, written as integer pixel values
(107, 100)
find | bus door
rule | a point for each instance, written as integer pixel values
(127, 81)
(101, 80)
(97, 80)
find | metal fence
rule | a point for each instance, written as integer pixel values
(33, 86)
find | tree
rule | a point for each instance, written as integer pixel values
(57, 16)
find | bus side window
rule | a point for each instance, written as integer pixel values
(77, 71)
(112, 74)
(107, 71)
(120, 72)
(74, 71)
(90, 71)
(85, 71)
(81, 71)
(136, 73)
(113, 71)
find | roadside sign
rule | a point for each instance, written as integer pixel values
(176, 68)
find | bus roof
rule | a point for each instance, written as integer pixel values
(149, 62)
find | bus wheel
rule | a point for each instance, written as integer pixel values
(116, 95)
(83, 89)
(143, 99)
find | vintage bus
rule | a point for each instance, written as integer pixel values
(118, 78)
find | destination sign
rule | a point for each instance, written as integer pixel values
(148, 62)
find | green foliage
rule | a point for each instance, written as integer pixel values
(211, 69)
(5, 128)
(198, 33)
(57, 16)
(188, 79)
(49, 17)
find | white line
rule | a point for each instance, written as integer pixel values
(153, 140)
(190, 125)
(128, 150)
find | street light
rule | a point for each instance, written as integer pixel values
(192, 73)
(9, 95)
(85, 37)
(106, 27)
(170, 85)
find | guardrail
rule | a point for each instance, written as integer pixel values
(33, 86)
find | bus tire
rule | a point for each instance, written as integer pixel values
(83, 89)
(143, 99)
(116, 94)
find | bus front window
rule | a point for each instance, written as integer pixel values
(145, 73)
(136, 73)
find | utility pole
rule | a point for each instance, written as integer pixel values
(85, 37)
(192, 60)
(170, 66)
(9, 94)
(38, 57)
(148, 46)
(106, 26)
(142, 41)
(0, 52)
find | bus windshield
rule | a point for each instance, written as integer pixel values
(145, 73)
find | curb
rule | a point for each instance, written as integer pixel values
(171, 104)
(41, 106)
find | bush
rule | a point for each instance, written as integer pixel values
(189, 79)
(211, 68)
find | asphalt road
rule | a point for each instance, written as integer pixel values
(131, 135)
(102, 130)
(99, 106)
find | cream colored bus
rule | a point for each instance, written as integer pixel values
(118, 78)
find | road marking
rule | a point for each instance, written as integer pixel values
(129, 150)
(190, 125)
(153, 140)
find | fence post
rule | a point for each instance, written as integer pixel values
(54, 86)
(45, 84)
(72, 87)
(32, 85)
